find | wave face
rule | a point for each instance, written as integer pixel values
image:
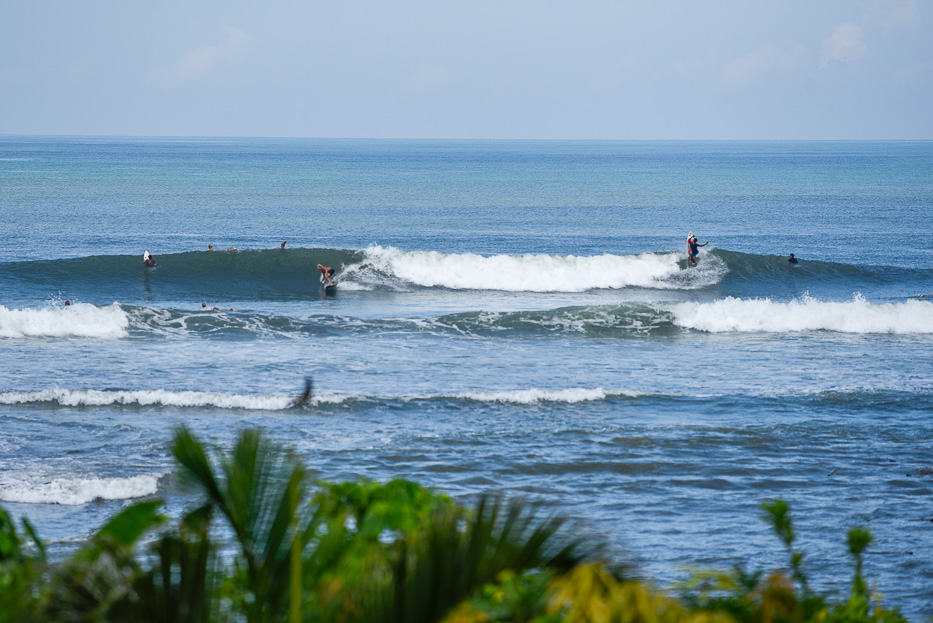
(290, 274)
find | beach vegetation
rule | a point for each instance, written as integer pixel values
(267, 542)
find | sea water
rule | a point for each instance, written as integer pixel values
(511, 316)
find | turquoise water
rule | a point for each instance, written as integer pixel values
(510, 316)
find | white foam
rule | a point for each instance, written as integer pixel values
(77, 320)
(542, 273)
(533, 396)
(805, 314)
(157, 397)
(278, 402)
(75, 490)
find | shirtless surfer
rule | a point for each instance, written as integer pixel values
(204, 307)
(148, 260)
(327, 273)
(210, 247)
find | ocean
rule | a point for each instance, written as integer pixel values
(510, 316)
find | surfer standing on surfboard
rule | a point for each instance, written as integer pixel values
(327, 273)
(692, 248)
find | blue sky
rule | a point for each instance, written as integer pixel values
(729, 69)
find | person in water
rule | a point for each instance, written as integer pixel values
(204, 307)
(283, 244)
(693, 248)
(210, 247)
(792, 259)
(148, 260)
(327, 273)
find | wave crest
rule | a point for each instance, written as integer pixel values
(539, 272)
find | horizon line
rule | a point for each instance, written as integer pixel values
(453, 138)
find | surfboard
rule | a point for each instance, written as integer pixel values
(328, 289)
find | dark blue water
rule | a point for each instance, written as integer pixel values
(510, 316)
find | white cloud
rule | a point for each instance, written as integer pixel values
(202, 60)
(762, 61)
(845, 45)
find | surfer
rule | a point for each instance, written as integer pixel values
(692, 248)
(148, 260)
(204, 307)
(210, 247)
(327, 273)
(792, 259)
(283, 244)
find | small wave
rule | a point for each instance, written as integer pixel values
(146, 398)
(540, 273)
(804, 314)
(280, 402)
(77, 320)
(533, 396)
(73, 491)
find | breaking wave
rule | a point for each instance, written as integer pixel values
(74, 490)
(77, 320)
(279, 402)
(805, 314)
(538, 272)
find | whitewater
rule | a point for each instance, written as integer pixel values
(515, 317)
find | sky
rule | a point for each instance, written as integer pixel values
(512, 69)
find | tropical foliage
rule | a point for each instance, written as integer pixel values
(267, 543)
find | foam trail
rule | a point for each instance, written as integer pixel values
(805, 314)
(542, 273)
(77, 320)
(74, 491)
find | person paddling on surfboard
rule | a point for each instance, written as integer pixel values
(326, 274)
(210, 247)
(148, 260)
(692, 248)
